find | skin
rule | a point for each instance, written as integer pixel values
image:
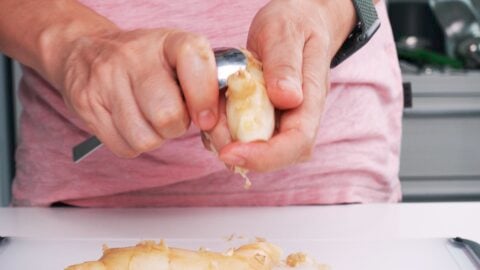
(123, 84)
(295, 40)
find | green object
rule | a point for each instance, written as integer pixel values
(425, 57)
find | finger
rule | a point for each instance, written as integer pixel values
(298, 127)
(159, 99)
(129, 120)
(194, 61)
(316, 67)
(219, 136)
(280, 50)
(206, 142)
(106, 131)
(283, 149)
(92, 107)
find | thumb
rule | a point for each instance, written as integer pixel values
(282, 56)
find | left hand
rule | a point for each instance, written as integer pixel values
(296, 41)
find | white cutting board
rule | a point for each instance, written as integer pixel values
(421, 254)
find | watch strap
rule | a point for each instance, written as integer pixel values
(367, 24)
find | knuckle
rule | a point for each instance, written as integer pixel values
(174, 131)
(80, 101)
(172, 123)
(84, 101)
(145, 143)
(128, 154)
(102, 68)
(168, 117)
(194, 43)
(125, 152)
(116, 146)
(199, 42)
(128, 52)
(307, 148)
(283, 68)
(287, 27)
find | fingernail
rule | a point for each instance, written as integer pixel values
(230, 167)
(289, 84)
(206, 120)
(233, 160)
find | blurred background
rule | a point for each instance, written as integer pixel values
(438, 43)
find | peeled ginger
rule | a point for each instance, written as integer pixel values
(149, 255)
(250, 113)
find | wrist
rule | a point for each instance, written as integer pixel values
(55, 41)
(340, 20)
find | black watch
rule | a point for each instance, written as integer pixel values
(367, 24)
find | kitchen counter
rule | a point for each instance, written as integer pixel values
(342, 222)
(374, 237)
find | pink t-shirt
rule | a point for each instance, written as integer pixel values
(356, 156)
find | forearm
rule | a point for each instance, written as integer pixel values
(37, 33)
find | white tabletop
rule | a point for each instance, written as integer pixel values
(343, 222)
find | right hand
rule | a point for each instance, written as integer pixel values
(136, 89)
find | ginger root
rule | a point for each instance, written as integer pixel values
(250, 113)
(149, 255)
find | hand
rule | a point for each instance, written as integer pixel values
(296, 41)
(134, 90)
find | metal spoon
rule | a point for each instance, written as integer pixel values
(229, 61)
